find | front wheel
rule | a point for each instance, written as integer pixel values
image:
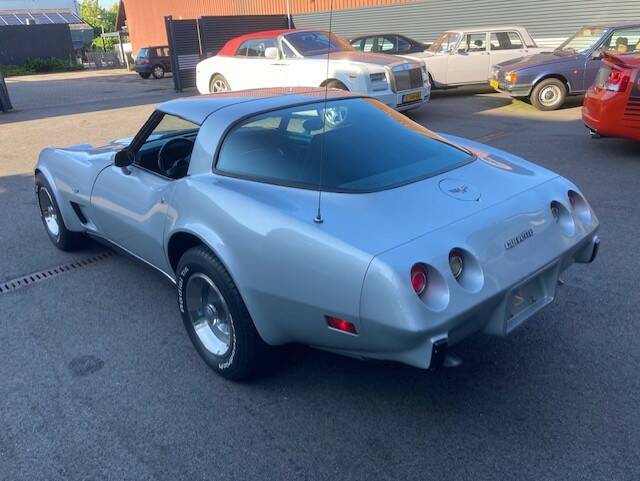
(549, 94)
(60, 236)
(216, 317)
(158, 72)
(218, 84)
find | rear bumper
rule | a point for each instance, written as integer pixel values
(143, 68)
(516, 281)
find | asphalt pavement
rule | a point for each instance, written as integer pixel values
(98, 380)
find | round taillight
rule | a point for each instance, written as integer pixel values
(456, 263)
(419, 278)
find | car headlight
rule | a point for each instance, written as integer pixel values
(379, 81)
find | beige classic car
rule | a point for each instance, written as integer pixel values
(465, 57)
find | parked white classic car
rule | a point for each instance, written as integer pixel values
(464, 57)
(298, 58)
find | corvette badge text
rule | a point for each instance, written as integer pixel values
(514, 241)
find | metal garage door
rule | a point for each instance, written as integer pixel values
(549, 21)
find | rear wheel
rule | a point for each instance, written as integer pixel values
(158, 71)
(549, 94)
(218, 84)
(216, 317)
(60, 236)
(144, 75)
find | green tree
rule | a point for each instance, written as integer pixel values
(99, 18)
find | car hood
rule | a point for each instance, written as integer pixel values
(544, 58)
(379, 221)
(364, 58)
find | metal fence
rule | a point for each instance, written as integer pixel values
(103, 60)
(193, 40)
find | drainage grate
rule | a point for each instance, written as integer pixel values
(24, 281)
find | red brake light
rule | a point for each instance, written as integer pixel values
(341, 325)
(618, 80)
(419, 278)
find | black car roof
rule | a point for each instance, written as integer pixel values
(384, 34)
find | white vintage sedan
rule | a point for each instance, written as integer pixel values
(308, 58)
(465, 57)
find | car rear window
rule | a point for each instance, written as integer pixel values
(347, 145)
(144, 52)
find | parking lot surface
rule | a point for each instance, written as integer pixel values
(99, 380)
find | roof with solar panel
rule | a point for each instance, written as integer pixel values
(39, 17)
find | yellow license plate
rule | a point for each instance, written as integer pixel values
(494, 84)
(412, 97)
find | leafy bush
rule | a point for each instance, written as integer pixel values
(41, 65)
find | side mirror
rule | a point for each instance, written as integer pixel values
(123, 158)
(597, 54)
(272, 53)
(462, 51)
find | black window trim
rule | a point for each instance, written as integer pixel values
(301, 185)
(143, 135)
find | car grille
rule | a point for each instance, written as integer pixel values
(407, 79)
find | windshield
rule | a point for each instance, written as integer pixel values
(445, 43)
(331, 146)
(582, 41)
(316, 43)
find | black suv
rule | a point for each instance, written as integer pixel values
(153, 61)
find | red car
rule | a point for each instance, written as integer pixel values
(612, 104)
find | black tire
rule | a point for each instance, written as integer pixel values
(218, 82)
(64, 239)
(157, 71)
(336, 84)
(144, 75)
(247, 353)
(549, 94)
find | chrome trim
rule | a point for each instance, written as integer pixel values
(100, 238)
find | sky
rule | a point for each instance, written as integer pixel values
(106, 3)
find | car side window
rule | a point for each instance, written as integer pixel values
(403, 45)
(357, 44)
(506, 41)
(287, 52)
(386, 45)
(255, 47)
(367, 44)
(474, 42)
(624, 41)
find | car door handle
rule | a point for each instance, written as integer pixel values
(281, 64)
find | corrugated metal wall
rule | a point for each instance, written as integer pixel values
(145, 18)
(547, 20)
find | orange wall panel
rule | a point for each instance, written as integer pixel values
(145, 18)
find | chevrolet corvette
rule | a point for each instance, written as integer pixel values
(324, 218)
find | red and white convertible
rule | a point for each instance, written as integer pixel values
(307, 58)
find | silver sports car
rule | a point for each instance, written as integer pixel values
(286, 216)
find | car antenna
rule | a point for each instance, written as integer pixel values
(318, 219)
